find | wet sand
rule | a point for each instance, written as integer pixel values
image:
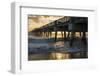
(57, 56)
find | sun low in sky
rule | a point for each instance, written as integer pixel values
(36, 21)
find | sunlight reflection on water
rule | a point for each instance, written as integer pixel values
(59, 56)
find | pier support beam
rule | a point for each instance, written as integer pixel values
(72, 39)
(64, 35)
(84, 38)
(80, 34)
(55, 36)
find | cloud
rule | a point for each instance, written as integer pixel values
(38, 21)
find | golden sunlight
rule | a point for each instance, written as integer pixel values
(38, 21)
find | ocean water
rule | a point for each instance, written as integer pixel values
(45, 48)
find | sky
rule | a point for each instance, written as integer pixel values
(38, 21)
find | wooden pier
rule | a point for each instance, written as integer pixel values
(63, 25)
